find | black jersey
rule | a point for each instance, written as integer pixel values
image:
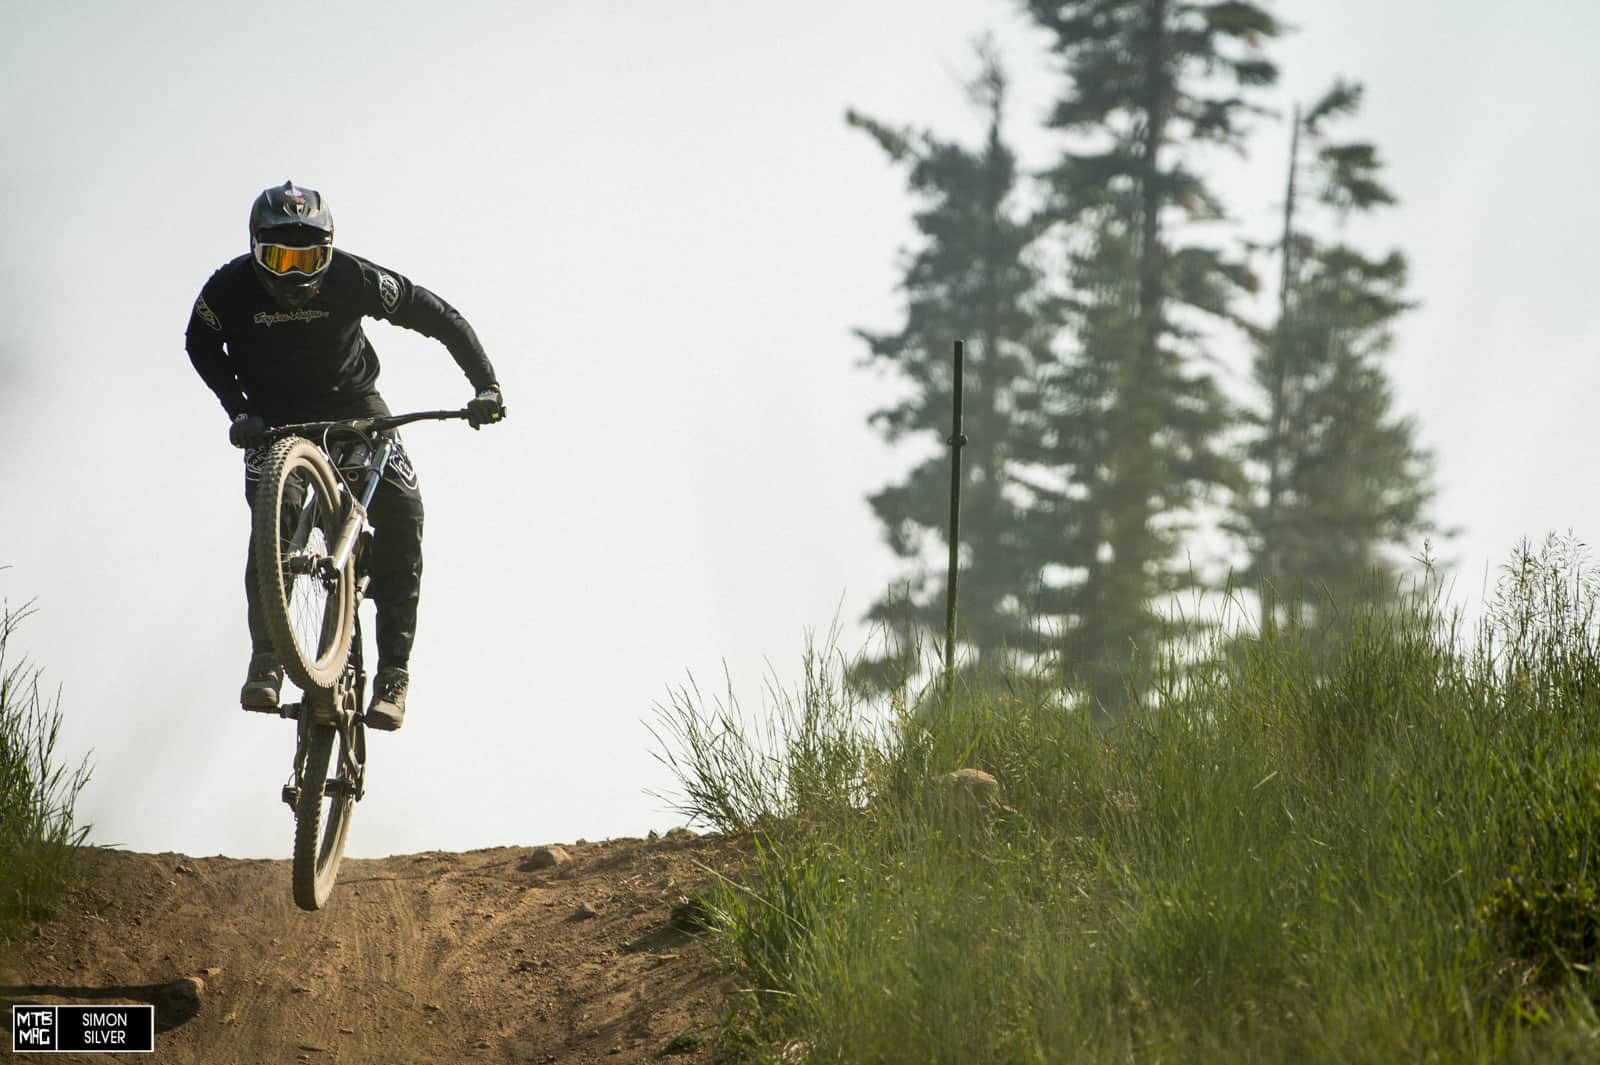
(315, 361)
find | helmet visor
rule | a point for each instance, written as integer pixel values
(282, 259)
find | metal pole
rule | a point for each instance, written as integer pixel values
(956, 442)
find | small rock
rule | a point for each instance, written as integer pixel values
(547, 857)
(484, 1044)
(584, 912)
(186, 870)
(212, 970)
(186, 990)
(431, 1007)
(300, 989)
(653, 836)
(347, 1031)
(968, 792)
(681, 833)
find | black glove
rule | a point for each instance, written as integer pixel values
(248, 431)
(486, 408)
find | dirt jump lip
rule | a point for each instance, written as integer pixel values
(546, 954)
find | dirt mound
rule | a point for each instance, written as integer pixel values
(502, 955)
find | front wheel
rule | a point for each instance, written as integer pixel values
(322, 810)
(296, 520)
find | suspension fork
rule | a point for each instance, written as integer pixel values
(340, 555)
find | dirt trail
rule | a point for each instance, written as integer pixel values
(422, 958)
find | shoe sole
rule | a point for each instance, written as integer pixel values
(383, 722)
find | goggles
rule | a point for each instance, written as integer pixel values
(281, 259)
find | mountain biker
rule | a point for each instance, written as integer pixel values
(277, 336)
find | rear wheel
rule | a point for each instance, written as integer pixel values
(322, 813)
(296, 519)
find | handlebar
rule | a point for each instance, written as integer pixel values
(367, 425)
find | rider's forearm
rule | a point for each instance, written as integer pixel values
(433, 317)
(205, 339)
(218, 375)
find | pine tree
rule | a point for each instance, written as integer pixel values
(1343, 477)
(1134, 428)
(970, 278)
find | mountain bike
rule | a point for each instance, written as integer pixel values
(310, 536)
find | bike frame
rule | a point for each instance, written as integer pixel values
(341, 708)
(375, 431)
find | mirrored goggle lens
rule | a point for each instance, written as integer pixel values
(285, 260)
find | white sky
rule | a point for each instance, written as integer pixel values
(658, 222)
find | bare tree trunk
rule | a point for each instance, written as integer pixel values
(1280, 371)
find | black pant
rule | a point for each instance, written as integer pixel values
(394, 562)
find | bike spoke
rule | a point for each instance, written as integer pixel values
(313, 609)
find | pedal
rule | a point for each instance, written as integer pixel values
(288, 710)
(291, 796)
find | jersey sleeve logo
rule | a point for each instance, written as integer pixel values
(206, 314)
(389, 292)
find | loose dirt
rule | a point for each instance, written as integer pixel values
(421, 958)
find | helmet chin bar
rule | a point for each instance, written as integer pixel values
(299, 296)
(295, 301)
(290, 293)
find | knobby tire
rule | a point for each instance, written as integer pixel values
(311, 624)
(320, 829)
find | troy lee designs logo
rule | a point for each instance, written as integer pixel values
(206, 314)
(279, 317)
(389, 292)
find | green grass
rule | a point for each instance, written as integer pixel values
(1373, 849)
(38, 835)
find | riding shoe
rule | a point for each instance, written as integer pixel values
(388, 709)
(262, 683)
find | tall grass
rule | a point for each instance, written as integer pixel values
(1372, 850)
(38, 834)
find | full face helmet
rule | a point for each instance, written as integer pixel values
(291, 242)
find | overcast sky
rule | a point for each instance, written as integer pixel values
(663, 231)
